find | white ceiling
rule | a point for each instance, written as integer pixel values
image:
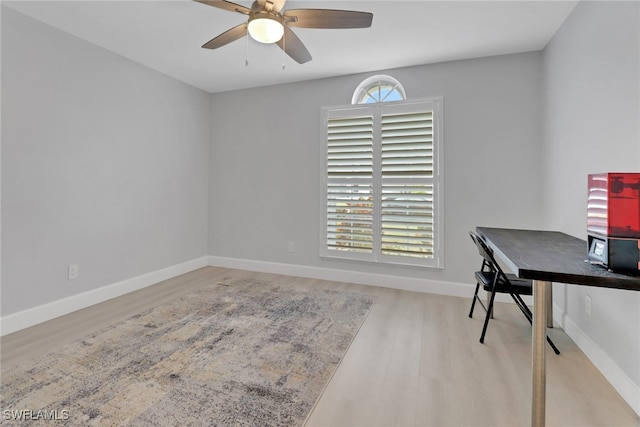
(167, 35)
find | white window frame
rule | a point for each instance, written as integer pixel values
(435, 105)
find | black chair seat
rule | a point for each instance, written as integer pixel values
(516, 285)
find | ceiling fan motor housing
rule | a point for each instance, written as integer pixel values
(266, 26)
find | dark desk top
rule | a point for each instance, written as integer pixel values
(552, 256)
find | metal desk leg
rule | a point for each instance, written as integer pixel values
(549, 302)
(538, 368)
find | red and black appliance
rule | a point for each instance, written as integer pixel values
(613, 221)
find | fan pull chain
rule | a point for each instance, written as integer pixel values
(246, 60)
(284, 45)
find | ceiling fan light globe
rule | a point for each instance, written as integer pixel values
(266, 30)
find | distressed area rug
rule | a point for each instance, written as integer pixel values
(240, 352)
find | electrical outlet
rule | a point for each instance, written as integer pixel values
(74, 271)
(292, 247)
(587, 304)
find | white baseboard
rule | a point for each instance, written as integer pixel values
(464, 290)
(382, 280)
(35, 315)
(625, 386)
(32, 316)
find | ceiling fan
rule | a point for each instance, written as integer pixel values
(268, 23)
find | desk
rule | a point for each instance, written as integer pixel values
(545, 257)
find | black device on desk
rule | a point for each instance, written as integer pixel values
(613, 221)
(616, 254)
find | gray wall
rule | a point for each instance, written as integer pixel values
(104, 164)
(592, 122)
(267, 147)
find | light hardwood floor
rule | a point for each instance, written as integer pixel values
(416, 361)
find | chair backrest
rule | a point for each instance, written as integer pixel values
(487, 254)
(484, 251)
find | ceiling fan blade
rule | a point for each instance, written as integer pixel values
(293, 47)
(227, 37)
(226, 5)
(327, 18)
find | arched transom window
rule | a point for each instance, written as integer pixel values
(380, 88)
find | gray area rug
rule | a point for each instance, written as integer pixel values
(238, 353)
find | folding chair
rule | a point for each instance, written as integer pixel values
(494, 280)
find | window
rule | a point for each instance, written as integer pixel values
(378, 89)
(382, 182)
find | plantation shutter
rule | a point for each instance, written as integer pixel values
(407, 220)
(349, 200)
(381, 183)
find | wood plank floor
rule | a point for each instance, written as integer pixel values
(416, 361)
